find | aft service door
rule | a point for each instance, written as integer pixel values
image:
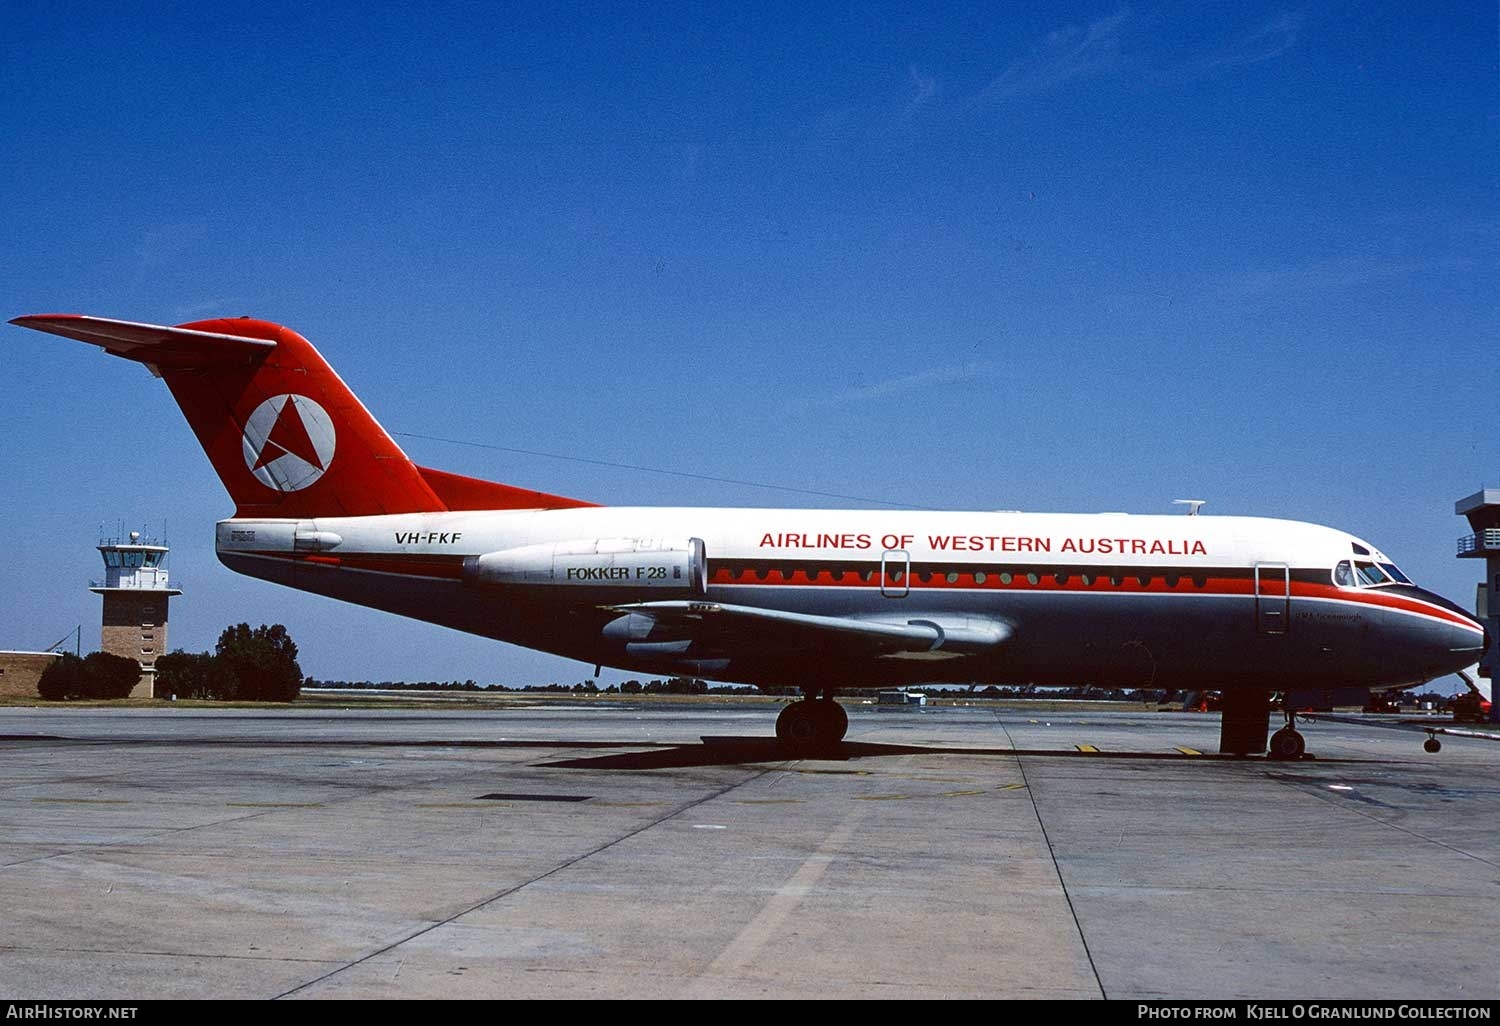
(895, 570)
(1273, 597)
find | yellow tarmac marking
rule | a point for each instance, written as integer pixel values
(84, 801)
(1188, 751)
(907, 797)
(835, 773)
(770, 801)
(1086, 748)
(1012, 787)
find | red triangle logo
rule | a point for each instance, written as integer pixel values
(288, 435)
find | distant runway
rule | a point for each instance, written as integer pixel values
(603, 850)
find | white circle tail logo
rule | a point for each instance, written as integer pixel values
(288, 442)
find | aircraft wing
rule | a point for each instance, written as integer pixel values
(152, 344)
(943, 636)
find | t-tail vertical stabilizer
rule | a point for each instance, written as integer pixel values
(286, 435)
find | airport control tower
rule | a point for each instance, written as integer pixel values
(135, 594)
(1483, 510)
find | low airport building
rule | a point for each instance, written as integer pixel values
(20, 672)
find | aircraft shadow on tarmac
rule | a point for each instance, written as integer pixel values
(728, 751)
(712, 751)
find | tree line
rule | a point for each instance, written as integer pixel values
(247, 665)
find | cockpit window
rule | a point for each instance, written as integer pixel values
(1371, 575)
(1395, 573)
(1343, 575)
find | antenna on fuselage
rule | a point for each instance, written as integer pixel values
(1193, 505)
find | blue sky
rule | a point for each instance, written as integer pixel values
(1072, 257)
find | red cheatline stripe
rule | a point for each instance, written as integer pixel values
(1375, 597)
(445, 567)
(1102, 583)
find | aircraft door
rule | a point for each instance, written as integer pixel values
(1273, 597)
(895, 573)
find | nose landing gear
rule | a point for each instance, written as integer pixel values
(812, 725)
(1288, 743)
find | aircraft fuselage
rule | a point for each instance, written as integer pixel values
(1104, 599)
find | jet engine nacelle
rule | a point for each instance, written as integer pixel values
(659, 565)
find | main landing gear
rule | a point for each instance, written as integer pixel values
(812, 725)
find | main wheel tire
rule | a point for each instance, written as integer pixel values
(833, 721)
(1432, 745)
(1287, 743)
(812, 725)
(796, 726)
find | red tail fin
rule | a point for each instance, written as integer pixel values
(285, 434)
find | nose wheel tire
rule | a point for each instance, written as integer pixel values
(1432, 745)
(812, 725)
(1287, 743)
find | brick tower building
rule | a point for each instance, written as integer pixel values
(135, 594)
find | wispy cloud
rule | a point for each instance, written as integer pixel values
(1119, 44)
(225, 307)
(1266, 41)
(1335, 273)
(1065, 55)
(165, 243)
(950, 375)
(925, 91)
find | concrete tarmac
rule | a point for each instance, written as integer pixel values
(603, 850)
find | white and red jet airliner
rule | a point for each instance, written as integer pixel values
(325, 501)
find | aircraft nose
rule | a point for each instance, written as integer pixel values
(1459, 637)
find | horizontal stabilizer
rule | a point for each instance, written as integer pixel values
(153, 344)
